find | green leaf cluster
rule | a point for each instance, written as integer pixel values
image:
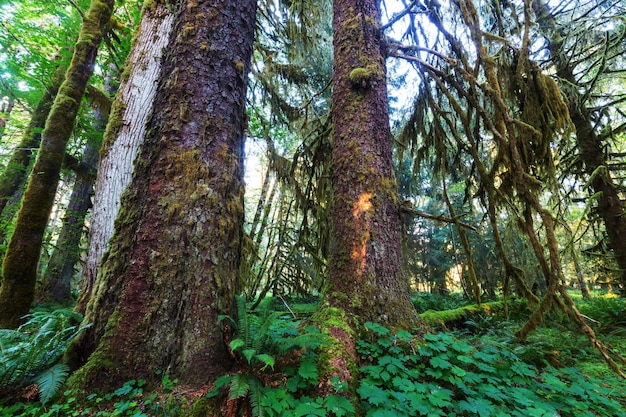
(263, 341)
(127, 400)
(443, 376)
(29, 355)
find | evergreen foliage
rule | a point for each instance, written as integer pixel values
(29, 355)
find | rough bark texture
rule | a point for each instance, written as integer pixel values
(366, 255)
(60, 269)
(591, 149)
(172, 263)
(20, 263)
(124, 135)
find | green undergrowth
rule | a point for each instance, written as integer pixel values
(446, 376)
(277, 367)
(479, 369)
(127, 400)
(30, 355)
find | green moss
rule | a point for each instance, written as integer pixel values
(199, 408)
(360, 77)
(432, 317)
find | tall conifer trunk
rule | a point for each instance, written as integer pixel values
(172, 264)
(366, 255)
(20, 263)
(125, 133)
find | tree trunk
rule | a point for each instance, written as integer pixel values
(124, 135)
(610, 207)
(172, 264)
(365, 269)
(20, 263)
(16, 171)
(5, 112)
(60, 269)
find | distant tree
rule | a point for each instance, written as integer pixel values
(587, 112)
(59, 272)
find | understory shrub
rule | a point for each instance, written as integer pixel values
(29, 355)
(424, 301)
(608, 314)
(277, 367)
(443, 376)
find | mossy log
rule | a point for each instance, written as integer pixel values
(458, 316)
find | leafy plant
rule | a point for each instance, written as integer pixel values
(424, 301)
(446, 377)
(609, 313)
(278, 366)
(29, 355)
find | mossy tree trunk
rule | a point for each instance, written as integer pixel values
(366, 255)
(172, 264)
(60, 269)
(124, 134)
(366, 282)
(59, 273)
(20, 263)
(591, 148)
(16, 171)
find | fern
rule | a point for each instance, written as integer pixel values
(29, 355)
(262, 337)
(50, 380)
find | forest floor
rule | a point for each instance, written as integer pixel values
(470, 365)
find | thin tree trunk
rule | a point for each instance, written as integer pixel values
(172, 264)
(125, 134)
(5, 113)
(20, 263)
(16, 171)
(60, 269)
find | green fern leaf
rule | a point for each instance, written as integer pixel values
(239, 386)
(50, 381)
(248, 354)
(268, 360)
(236, 344)
(256, 397)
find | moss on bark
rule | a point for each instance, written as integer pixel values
(172, 263)
(20, 264)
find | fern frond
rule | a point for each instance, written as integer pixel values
(239, 386)
(27, 355)
(256, 396)
(51, 380)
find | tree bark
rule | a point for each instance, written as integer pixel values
(172, 264)
(16, 171)
(60, 269)
(365, 270)
(610, 206)
(124, 135)
(20, 263)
